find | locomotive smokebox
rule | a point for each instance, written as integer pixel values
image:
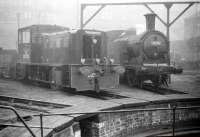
(150, 21)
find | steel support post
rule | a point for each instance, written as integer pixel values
(41, 124)
(168, 6)
(82, 14)
(174, 120)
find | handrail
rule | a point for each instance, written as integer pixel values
(20, 118)
(174, 108)
(117, 111)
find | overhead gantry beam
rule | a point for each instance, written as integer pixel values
(83, 24)
(181, 13)
(168, 6)
(140, 3)
(146, 4)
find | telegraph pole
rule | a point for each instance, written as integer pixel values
(18, 20)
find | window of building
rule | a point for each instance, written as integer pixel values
(27, 15)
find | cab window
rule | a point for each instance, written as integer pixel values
(91, 46)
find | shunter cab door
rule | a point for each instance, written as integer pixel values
(91, 47)
(95, 70)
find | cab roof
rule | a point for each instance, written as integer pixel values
(43, 26)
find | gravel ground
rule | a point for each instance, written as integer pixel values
(188, 82)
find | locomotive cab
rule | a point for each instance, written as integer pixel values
(92, 48)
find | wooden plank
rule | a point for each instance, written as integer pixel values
(37, 133)
(49, 122)
(22, 132)
(12, 132)
(56, 121)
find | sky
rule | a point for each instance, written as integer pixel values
(67, 13)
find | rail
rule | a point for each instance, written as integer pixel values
(173, 109)
(19, 117)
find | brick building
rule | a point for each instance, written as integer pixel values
(192, 26)
(192, 38)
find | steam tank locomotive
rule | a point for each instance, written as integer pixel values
(145, 56)
(61, 57)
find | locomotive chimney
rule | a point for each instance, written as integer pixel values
(150, 21)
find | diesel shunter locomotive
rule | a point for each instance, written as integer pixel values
(60, 57)
(145, 56)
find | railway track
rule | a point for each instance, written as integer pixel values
(29, 104)
(162, 90)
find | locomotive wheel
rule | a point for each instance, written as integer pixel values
(140, 83)
(54, 86)
(156, 82)
(96, 85)
(130, 78)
